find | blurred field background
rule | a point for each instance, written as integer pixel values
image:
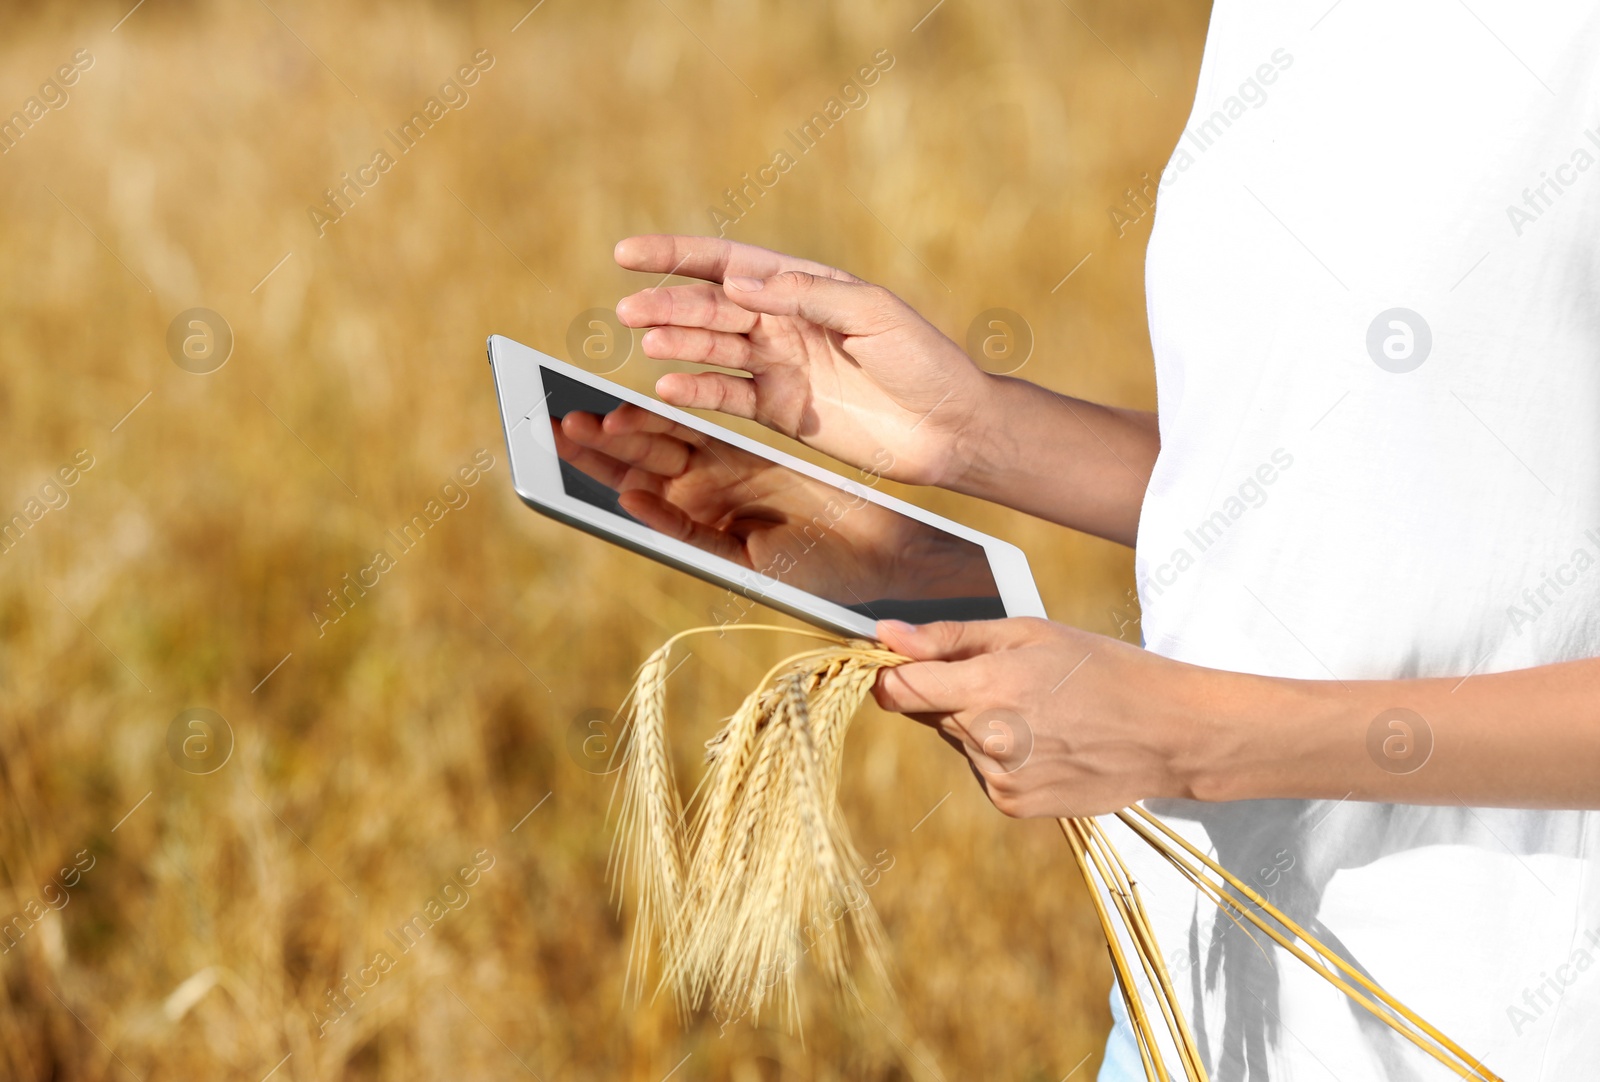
(371, 761)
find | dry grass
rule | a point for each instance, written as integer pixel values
(379, 757)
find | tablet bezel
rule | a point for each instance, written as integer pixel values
(536, 477)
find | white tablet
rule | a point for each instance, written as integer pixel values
(828, 549)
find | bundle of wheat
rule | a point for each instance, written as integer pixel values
(722, 893)
(722, 887)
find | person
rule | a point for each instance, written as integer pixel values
(1366, 517)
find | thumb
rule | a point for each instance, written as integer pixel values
(951, 640)
(853, 308)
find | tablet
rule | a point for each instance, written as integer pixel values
(772, 528)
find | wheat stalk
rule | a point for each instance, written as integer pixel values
(647, 853)
(725, 892)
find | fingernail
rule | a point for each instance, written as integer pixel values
(899, 627)
(743, 284)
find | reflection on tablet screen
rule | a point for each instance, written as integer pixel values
(812, 535)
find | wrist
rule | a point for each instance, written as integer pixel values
(1247, 737)
(984, 449)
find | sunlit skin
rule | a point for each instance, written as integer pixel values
(848, 368)
(763, 516)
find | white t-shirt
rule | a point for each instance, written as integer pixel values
(1374, 294)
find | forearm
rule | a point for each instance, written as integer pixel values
(1072, 462)
(1526, 739)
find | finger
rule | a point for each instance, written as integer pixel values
(710, 258)
(733, 395)
(672, 520)
(955, 640)
(948, 728)
(700, 346)
(697, 305)
(653, 453)
(601, 467)
(657, 513)
(923, 687)
(629, 419)
(852, 308)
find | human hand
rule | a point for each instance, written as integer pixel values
(1055, 721)
(763, 515)
(837, 363)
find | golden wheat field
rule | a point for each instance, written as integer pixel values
(225, 798)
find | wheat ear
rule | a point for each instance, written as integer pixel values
(767, 848)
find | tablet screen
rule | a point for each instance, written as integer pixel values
(640, 466)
